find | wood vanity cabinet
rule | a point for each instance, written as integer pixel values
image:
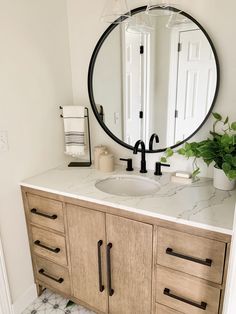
(125, 266)
(119, 262)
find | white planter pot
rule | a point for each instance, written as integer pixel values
(221, 181)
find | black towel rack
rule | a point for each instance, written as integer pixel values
(82, 163)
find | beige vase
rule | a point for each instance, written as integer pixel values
(221, 181)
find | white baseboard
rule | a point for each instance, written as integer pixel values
(24, 300)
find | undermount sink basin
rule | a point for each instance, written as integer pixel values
(128, 185)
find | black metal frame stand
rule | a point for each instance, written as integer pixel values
(83, 163)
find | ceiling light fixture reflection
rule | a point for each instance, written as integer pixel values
(115, 11)
(139, 23)
(177, 21)
(161, 8)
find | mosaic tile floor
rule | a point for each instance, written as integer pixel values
(51, 303)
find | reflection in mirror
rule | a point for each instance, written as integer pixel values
(162, 80)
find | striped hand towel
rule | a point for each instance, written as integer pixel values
(74, 128)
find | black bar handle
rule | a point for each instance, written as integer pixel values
(36, 212)
(42, 272)
(101, 287)
(206, 262)
(110, 290)
(202, 306)
(38, 243)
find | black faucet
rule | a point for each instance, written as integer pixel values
(143, 160)
(129, 164)
(152, 138)
(158, 168)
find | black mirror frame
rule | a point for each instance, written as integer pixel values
(91, 71)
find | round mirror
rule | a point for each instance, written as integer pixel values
(153, 74)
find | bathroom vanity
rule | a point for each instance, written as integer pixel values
(164, 253)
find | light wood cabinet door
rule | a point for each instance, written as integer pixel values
(53, 275)
(131, 265)
(184, 293)
(45, 212)
(49, 245)
(197, 256)
(86, 228)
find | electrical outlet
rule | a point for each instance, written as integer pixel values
(4, 141)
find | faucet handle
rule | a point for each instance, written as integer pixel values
(158, 168)
(129, 163)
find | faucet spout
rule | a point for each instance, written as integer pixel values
(143, 155)
(152, 138)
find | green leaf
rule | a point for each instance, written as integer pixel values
(234, 161)
(195, 172)
(163, 159)
(234, 139)
(169, 152)
(226, 167)
(217, 116)
(226, 139)
(233, 126)
(187, 146)
(231, 174)
(228, 158)
(69, 303)
(189, 153)
(181, 151)
(226, 120)
(208, 161)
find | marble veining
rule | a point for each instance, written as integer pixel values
(198, 204)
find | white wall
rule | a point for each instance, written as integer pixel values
(109, 65)
(218, 20)
(35, 77)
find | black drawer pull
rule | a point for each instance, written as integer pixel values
(202, 306)
(38, 243)
(101, 287)
(206, 262)
(110, 290)
(34, 211)
(42, 272)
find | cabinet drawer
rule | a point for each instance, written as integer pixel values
(49, 245)
(185, 293)
(46, 212)
(162, 309)
(201, 257)
(53, 275)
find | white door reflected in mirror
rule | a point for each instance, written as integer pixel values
(196, 80)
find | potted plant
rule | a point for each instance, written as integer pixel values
(219, 147)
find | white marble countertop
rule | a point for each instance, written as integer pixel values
(198, 204)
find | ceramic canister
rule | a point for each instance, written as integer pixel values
(98, 150)
(221, 181)
(106, 162)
